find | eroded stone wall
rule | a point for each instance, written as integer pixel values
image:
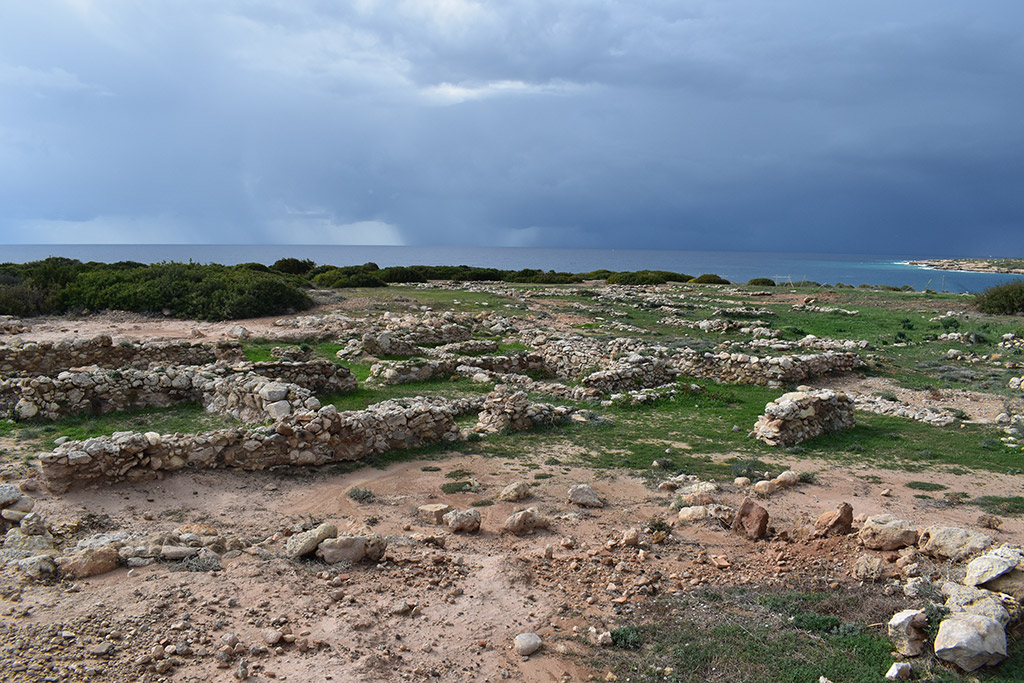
(801, 415)
(51, 358)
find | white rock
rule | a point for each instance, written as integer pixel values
(526, 644)
(583, 495)
(971, 642)
(986, 568)
(899, 671)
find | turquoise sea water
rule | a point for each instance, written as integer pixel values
(737, 266)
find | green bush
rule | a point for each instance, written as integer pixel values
(762, 282)
(293, 266)
(1004, 299)
(203, 292)
(627, 637)
(645, 277)
(349, 276)
(709, 279)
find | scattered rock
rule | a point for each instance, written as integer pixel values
(952, 543)
(971, 641)
(835, 523)
(583, 495)
(433, 513)
(752, 519)
(885, 532)
(90, 562)
(515, 491)
(906, 631)
(306, 542)
(526, 644)
(467, 521)
(899, 671)
(526, 521)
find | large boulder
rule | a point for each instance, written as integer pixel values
(886, 532)
(952, 543)
(971, 641)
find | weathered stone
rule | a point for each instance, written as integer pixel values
(971, 642)
(526, 644)
(899, 671)
(433, 513)
(986, 568)
(751, 519)
(306, 542)
(835, 523)
(868, 568)
(525, 521)
(906, 631)
(39, 567)
(19, 545)
(885, 532)
(952, 543)
(467, 521)
(342, 549)
(584, 496)
(516, 491)
(9, 493)
(969, 600)
(175, 553)
(90, 562)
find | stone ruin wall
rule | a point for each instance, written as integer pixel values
(417, 370)
(741, 368)
(314, 437)
(251, 392)
(799, 415)
(308, 438)
(26, 359)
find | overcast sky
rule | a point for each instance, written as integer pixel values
(866, 126)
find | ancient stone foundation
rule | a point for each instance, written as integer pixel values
(307, 438)
(800, 415)
(251, 392)
(26, 359)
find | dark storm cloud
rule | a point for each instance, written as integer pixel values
(870, 126)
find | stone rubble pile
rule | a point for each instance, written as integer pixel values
(28, 358)
(11, 325)
(882, 406)
(505, 411)
(801, 415)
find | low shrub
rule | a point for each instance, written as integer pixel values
(1004, 299)
(709, 279)
(762, 282)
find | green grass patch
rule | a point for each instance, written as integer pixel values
(925, 486)
(457, 487)
(185, 418)
(1000, 505)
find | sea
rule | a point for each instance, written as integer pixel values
(737, 266)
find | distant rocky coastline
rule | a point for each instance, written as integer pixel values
(976, 265)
